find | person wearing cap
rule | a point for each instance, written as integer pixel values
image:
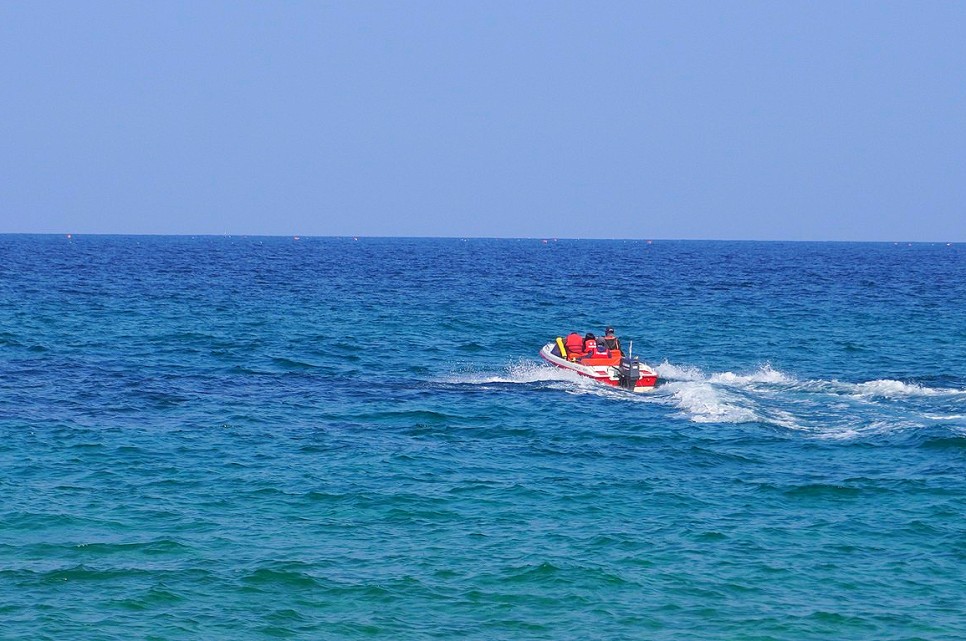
(611, 341)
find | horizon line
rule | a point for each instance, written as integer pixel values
(72, 235)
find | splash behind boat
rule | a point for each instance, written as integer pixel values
(613, 368)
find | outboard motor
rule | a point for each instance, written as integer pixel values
(628, 373)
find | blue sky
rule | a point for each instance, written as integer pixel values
(722, 120)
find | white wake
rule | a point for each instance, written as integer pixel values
(824, 407)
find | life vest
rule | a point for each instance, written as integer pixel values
(574, 344)
(590, 345)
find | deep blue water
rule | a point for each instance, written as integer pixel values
(247, 438)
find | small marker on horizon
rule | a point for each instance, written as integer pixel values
(69, 236)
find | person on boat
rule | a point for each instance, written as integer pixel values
(594, 348)
(574, 345)
(610, 340)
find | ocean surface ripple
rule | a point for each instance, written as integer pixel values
(253, 438)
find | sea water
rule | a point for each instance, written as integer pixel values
(331, 438)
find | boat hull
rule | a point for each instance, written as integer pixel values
(602, 370)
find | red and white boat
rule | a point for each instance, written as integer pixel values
(613, 368)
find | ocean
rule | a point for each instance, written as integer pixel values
(229, 438)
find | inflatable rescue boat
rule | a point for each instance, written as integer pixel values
(612, 368)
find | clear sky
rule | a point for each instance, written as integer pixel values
(801, 120)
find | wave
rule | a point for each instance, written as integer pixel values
(283, 362)
(701, 402)
(722, 397)
(704, 403)
(892, 388)
(521, 372)
(825, 408)
(765, 374)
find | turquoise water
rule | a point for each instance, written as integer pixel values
(253, 438)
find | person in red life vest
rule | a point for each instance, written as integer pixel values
(611, 341)
(594, 348)
(574, 345)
